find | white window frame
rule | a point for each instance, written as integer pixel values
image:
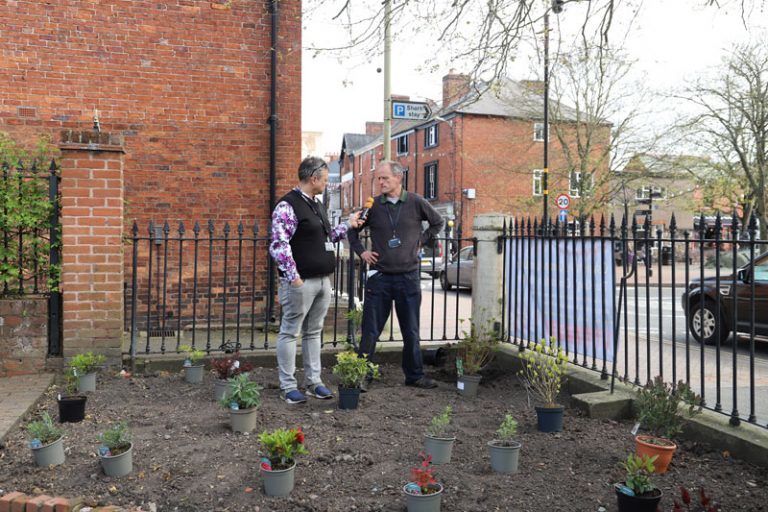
(405, 178)
(538, 182)
(574, 191)
(431, 139)
(373, 159)
(430, 169)
(404, 140)
(538, 132)
(645, 192)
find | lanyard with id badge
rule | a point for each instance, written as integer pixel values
(394, 242)
(328, 244)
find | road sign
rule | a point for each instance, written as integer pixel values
(563, 201)
(563, 216)
(412, 110)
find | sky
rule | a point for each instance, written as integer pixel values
(672, 43)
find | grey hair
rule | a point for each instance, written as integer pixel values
(394, 166)
(309, 166)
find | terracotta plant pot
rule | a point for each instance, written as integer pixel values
(650, 446)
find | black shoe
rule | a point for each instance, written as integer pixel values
(423, 383)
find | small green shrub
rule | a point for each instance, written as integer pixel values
(44, 430)
(658, 406)
(438, 426)
(242, 391)
(638, 471)
(86, 363)
(193, 355)
(352, 369)
(117, 438)
(507, 430)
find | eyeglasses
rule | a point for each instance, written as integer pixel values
(319, 167)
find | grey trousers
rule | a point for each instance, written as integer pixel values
(304, 310)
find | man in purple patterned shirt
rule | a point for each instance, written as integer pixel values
(302, 246)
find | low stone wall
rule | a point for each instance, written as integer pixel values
(23, 336)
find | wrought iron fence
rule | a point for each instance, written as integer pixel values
(626, 302)
(209, 287)
(30, 249)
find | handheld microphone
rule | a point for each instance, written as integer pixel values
(366, 210)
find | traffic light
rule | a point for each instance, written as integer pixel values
(557, 6)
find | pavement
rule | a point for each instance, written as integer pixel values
(17, 396)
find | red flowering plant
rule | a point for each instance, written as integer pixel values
(228, 367)
(282, 447)
(685, 504)
(422, 479)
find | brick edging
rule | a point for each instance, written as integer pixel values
(20, 502)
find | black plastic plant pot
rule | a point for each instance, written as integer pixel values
(644, 503)
(348, 397)
(433, 356)
(72, 409)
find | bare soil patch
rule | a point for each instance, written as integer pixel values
(186, 458)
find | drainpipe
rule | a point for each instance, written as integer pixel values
(274, 9)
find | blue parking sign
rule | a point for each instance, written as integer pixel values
(400, 110)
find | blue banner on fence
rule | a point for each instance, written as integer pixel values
(563, 289)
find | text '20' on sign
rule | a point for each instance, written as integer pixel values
(410, 110)
(563, 201)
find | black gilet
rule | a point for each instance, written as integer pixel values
(308, 242)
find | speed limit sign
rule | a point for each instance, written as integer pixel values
(563, 201)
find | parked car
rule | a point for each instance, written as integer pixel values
(432, 259)
(707, 322)
(459, 272)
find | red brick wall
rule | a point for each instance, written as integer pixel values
(185, 81)
(23, 335)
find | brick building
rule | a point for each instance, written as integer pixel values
(198, 109)
(186, 82)
(482, 152)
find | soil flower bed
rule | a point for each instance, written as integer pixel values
(187, 459)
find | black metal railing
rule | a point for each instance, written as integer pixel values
(30, 248)
(208, 287)
(629, 303)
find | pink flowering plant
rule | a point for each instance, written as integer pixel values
(282, 446)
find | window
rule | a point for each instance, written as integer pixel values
(360, 196)
(360, 167)
(575, 186)
(430, 136)
(373, 159)
(645, 193)
(430, 181)
(537, 182)
(402, 145)
(405, 178)
(538, 132)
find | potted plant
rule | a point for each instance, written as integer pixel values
(277, 467)
(474, 352)
(84, 367)
(193, 366)
(423, 493)
(243, 398)
(637, 493)
(438, 443)
(71, 405)
(47, 441)
(505, 451)
(659, 411)
(116, 450)
(543, 372)
(224, 369)
(352, 370)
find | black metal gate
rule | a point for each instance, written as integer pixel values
(30, 260)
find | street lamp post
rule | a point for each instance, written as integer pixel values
(545, 173)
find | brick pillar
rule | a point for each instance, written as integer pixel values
(91, 239)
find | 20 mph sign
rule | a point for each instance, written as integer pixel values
(563, 201)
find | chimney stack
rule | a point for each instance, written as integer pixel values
(455, 86)
(374, 128)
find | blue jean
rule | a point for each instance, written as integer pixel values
(405, 290)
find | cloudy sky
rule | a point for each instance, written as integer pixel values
(672, 42)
